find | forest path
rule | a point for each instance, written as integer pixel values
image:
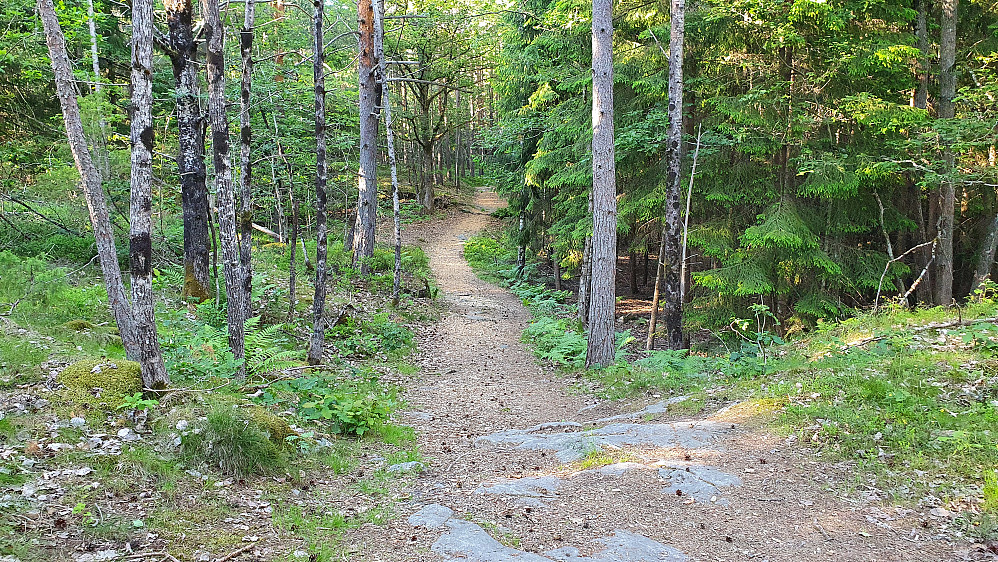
(504, 439)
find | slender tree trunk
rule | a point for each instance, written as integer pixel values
(382, 78)
(426, 179)
(601, 346)
(672, 256)
(653, 320)
(556, 264)
(99, 140)
(246, 161)
(947, 191)
(231, 267)
(367, 194)
(292, 267)
(190, 153)
(585, 282)
(921, 98)
(93, 191)
(632, 272)
(140, 215)
(319, 301)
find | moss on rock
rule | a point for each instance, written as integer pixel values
(273, 425)
(101, 383)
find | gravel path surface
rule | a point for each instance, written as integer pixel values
(501, 437)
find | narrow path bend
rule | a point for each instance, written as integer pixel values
(502, 437)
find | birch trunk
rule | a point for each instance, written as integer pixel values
(245, 161)
(140, 210)
(947, 191)
(231, 269)
(656, 296)
(379, 46)
(190, 153)
(367, 190)
(600, 348)
(672, 256)
(292, 271)
(319, 301)
(93, 191)
(99, 140)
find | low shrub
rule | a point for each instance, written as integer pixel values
(231, 441)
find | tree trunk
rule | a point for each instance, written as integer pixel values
(319, 300)
(93, 191)
(601, 345)
(556, 265)
(656, 296)
(367, 193)
(921, 98)
(585, 282)
(382, 78)
(99, 140)
(292, 268)
(426, 178)
(947, 191)
(672, 256)
(246, 161)
(190, 153)
(231, 268)
(986, 259)
(140, 210)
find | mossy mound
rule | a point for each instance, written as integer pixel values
(273, 425)
(79, 325)
(231, 441)
(101, 383)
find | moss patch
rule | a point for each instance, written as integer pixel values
(101, 383)
(273, 425)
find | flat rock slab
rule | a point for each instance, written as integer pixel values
(529, 490)
(465, 540)
(701, 483)
(654, 409)
(574, 445)
(623, 546)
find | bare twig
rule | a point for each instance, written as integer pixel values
(235, 553)
(892, 261)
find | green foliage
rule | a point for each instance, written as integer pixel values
(231, 441)
(557, 340)
(138, 403)
(353, 407)
(380, 335)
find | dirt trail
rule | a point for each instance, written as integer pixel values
(502, 438)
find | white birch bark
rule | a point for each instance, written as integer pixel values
(140, 209)
(231, 268)
(93, 192)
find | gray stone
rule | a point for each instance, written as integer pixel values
(623, 546)
(77, 422)
(574, 445)
(406, 467)
(657, 408)
(431, 516)
(701, 483)
(618, 469)
(467, 541)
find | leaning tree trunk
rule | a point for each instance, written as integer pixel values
(215, 41)
(245, 161)
(947, 190)
(140, 210)
(99, 139)
(190, 155)
(656, 296)
(367, 191)
(600, 349)
(319, 301)
(107, 253)
(986, 257)
(672, 257)
(379, 50)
